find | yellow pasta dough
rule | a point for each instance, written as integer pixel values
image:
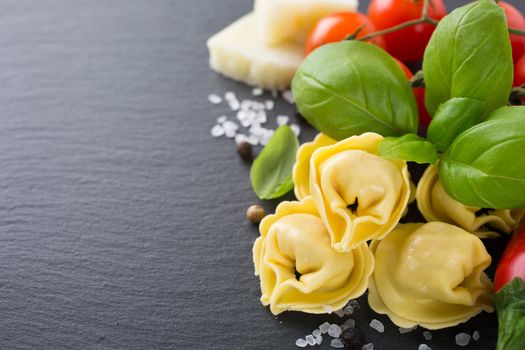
(436, 205)
(295, 239)
(359, 195)
(430, 275)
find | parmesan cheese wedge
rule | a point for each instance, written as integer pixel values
(292, 20)
(238, 53)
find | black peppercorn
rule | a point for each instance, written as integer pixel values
(352, 338)
(255, 214)
(245, 150)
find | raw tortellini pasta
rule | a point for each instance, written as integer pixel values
(359, 195)
(430, 275)
(436, 205)
(298, 268)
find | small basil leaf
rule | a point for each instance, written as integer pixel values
(271, 172)
(452, 118)
(485, 167)
(469, 55)
(409, 147)
(352, 87)
(507, 112)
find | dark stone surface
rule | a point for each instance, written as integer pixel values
(121, 219)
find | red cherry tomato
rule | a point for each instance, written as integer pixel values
(515, 20)
(407, 44)
(519, 72)
(338, 26)
(419, 93)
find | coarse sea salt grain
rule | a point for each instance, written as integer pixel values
(301, 343)
(287, 95)
(316, 332)
(427, 335)
(475, 335)
(318, 340)
(257, 91)
(337, 343)
(214, 99)
(324, 327)
(348, 309)
(377, 325)
(269, 105)
(424, 347)
(368, 346)
(282, 119)
(462, 339)
(296, 129)
(239, 138)
(406, 330)
(334, 331)
(310, 339)
(350, 323)
(230, 128)
(340, 313)
(222, 119)
(217, 131)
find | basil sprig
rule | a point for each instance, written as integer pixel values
(271, 172)
(352, 87)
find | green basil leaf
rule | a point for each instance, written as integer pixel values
(409, 147)
(452, 118)
(469, 55)
(352, 87)
(271, 172)
(485, 167)
(510, 304)
(507, 112)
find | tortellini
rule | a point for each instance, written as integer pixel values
(430, 275)
(298, 268)
(359, 195)
(436, 205)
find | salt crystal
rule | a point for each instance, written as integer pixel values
(377, 325)
(246, 104)
(475, 335)
(265, 137)
(424, 347)
(214, 99)
(427, 335)
(324, 327)
(334, 331)
(318, 340)
(462, 339)
(354, 303)
(239, 138)
(222, 119)
(340, 313)
(217, 131)
(287, 95)
(252, 140)
(368, 346)
(328, 309)
(296, 129)
(348, 309)
(310, 339)
(260, 117)
(337, 343)
(230, 95)
(257, 91)
(230, 128)
(269, 104)
(406, 330)
(234, 105)
(301, 343)
(282, 119)
(350, 323)
(316, 333)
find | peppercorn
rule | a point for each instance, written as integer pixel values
(255, 214)
(245, 150)
(352, 338)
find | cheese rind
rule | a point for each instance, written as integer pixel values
(238, 53)
(292, 20)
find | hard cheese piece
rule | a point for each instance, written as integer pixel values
(284, 20)
(238, 53)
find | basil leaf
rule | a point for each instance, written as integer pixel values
(469, 55)
(484, 167)
(507, 112)
(271, 172)
(409, 147)
(352, 87)
(452, 118)
(510, 305)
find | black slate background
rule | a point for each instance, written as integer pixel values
(121, 219)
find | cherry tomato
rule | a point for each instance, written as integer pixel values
(407, 44)
(419, 93)
(515, 20)
(519, 72)
(338, 26)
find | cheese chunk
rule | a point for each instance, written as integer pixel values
(238, 53)
(283, 20)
